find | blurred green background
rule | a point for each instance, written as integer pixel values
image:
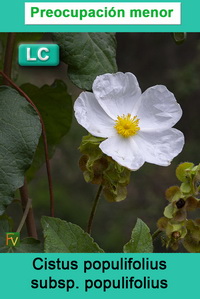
(155, 59)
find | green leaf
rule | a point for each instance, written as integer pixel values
(61, 236)
(141, 240)
(87, 55)
(27, 245)
(55, 106)
(20, 133)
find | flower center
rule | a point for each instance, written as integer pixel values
(126, 125)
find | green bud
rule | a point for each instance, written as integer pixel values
(90, 146)
(88, 176)
(169, 211)
(192, 240)
(183, 171)
(179, 37)
(115, 194)
(176, 235)
(175, 224)
(173, 193)
(83, 162)
(100, 169)
(175, 231)
(197, 180)
(192, 203)
(162, 223)
(180, 215)
(100, 165)
(186, 187)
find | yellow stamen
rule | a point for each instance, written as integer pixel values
(126, 125)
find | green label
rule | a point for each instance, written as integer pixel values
(12, 239)
(38, 55)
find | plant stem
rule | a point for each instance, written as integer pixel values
(96, 200)
(156, 233)
(8, 56)
(26, 211)
(44, 141)
(30, 221)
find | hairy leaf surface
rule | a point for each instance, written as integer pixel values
(61, 236)
(141, 240)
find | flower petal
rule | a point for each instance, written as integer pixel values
(92, 117)
(158, 109)
(117, 93)
(124, 151)
(161, 147)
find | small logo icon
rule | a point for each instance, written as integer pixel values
(12, 239)
(38, 55)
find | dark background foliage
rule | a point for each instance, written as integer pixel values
(155, 59)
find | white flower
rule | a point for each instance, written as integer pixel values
(138, 127)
